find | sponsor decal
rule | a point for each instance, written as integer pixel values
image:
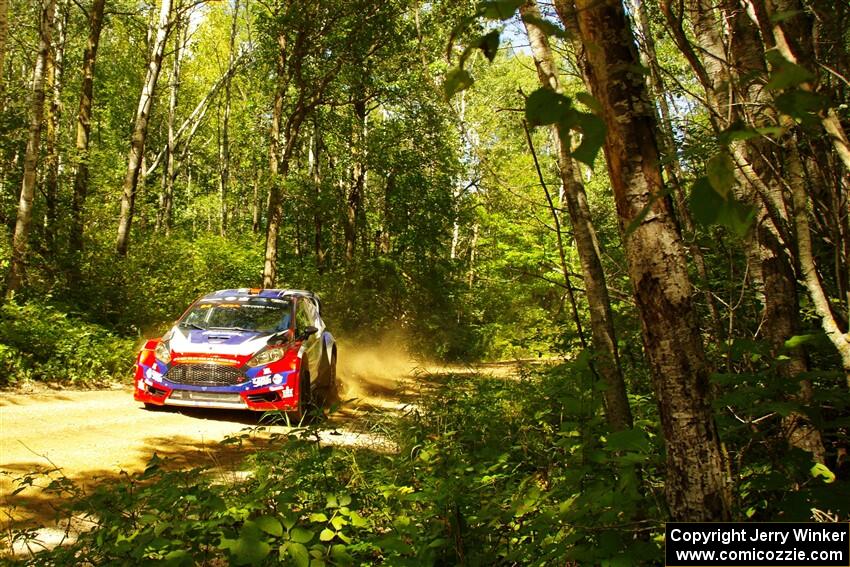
(152, 374)
(262, 381)
(277, 379)
(284, 392)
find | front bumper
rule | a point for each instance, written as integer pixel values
(155, 388)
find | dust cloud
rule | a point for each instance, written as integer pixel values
(378, 374)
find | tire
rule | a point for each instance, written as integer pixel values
(330, 389)
(305, 398)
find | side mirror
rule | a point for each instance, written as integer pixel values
(279, 337)
(311, 330)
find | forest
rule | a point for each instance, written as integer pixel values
(646, 203)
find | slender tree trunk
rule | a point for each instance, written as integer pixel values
(255, 205)
(224, 148)
(52, 164)
(355, 195)
(140, 131)
(166, 197)
(4, 32)
(696, 484)
(316, 177)
(23, 224)
(81, 175)
(667, 145)
(273, 206)
(607, 359)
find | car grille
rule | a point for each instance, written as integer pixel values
(205, 375)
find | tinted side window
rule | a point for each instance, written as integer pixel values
(302, 317)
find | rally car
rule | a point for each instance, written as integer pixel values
(255, 349)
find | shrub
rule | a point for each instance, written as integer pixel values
(40, 342)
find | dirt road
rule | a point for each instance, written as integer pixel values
(92, 436)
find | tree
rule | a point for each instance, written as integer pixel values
(696, 483)
(224, 147)
(20, 240)
(314, 42)
(83, 134)
(140, 130)
(607, 362)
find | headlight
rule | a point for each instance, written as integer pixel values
(266, 357)
(162, 353)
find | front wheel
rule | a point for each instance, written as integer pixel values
(304, 395)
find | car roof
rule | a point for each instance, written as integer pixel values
(258, 292)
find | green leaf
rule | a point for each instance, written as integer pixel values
(499, 9)
(326, 535)
(489, 44)
(704, 202)
(247, 549)
(298, 553)
(338, 522)
(178, 557)
(357, 520)
(545, 106)
(344, 499)
(289, 520)
(736, 216)
(821, 470)
(721, 173)
(546, 26)
(798, 340)
(269, 525)
(457, 80)
(318, 517)
(801, 105)
(590, 102)
(300, 535)
(627, 440)
(785, 74)
(340, 555)
(592, 138)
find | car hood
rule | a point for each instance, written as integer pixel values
(216, 341)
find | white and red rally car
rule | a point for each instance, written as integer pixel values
(256, 349)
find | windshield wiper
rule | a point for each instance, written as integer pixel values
(194, 326)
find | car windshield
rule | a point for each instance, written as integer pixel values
(259, 314)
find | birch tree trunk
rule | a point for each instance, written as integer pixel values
(729, 77)
(81, 175)
(52, 164)
(23, 223)
(667, 144)
(696, 485)
(140, 131)
(166, 200)
(273, 205)
(224, 148)
(607, 359)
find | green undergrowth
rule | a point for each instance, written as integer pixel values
(42, 343)
(487, 471)
(480, 471)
